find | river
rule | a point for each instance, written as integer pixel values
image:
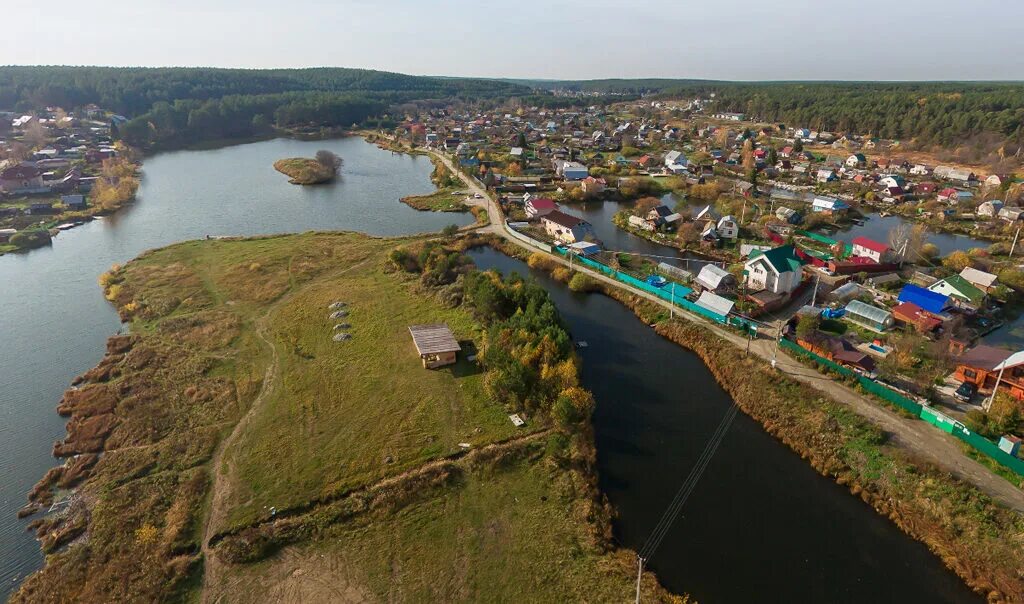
(762, 525)
(55, 319)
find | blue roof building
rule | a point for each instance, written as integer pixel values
(930, 301)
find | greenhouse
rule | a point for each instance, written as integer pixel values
(872, 317)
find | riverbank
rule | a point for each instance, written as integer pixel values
(980, 540)
(232, 415)
(442, 200)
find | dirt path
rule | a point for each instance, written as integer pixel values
(223, 467)
(921, 438)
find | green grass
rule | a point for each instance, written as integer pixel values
(514, 533)
(443, 200)
(342, 408)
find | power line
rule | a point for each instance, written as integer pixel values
(672, 512)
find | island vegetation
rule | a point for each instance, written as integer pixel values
(323, 168)
(230, 439)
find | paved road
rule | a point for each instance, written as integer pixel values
(924, 440)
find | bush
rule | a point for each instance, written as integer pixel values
(27, 240)
(581, 282)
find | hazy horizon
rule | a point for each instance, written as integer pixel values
(789, 40)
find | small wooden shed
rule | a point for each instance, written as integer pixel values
(435, 343)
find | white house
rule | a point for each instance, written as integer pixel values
(871, 249)
(727, 228)
(778, 271)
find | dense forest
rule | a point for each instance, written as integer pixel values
(175, 106)
(946, 114)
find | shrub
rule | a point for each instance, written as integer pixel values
(582, 282)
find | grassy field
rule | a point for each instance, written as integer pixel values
(231, 397)
(442, 200)
(512, 533)
(353, 412)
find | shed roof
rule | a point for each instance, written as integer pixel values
(433, 338)
(715, 303)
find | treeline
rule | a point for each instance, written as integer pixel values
(185, 121)
(527, 351)
(133, 91)
(944, 114)
(177, 106)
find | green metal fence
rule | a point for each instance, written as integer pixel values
(672, 292)
(933, 417)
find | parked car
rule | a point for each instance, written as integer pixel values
(965, 392)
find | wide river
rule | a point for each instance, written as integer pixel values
(762, 526)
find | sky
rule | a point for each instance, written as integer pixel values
(550, 39)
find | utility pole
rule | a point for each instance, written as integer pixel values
(988, 404)
(814, 295)
(672, 309)
(639, 575)
(1014, 242)
(775, 353)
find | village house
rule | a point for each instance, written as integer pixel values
(565, 227)
(961, 291)
(879, 253)
(727, 228)
(593, 186)
(539, 206)
(837, 350)
(989, 209)
(22, 179)
(829, 206)
(663, 217)
(910, 314)
(778, 271)
(984, 281)
(982, 365)
(857, 160)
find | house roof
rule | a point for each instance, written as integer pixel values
(433, 338)
(933, 302)
(978, 278)
(711, 276)
(961, 286)
(562, 219)
(715, 303)
(543, 203)
(871, 244)
(783, 259)
(984, 357)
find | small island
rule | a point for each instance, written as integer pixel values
(323, 168)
